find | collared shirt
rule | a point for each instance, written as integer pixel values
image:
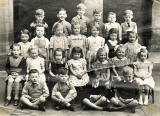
(35, 90)
(116, 25)
(66, 27)
(84, 21)
(64, 89)
(131, 27)
(100, 25)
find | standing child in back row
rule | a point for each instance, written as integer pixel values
(81, 18)
(39, 20)
(128, 25)
(97, 21)
(62, 15)
(113, 24)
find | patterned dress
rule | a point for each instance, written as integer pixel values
(78, 66)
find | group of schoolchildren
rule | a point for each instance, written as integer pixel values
(73, 66)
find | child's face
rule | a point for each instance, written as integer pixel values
(39, 17)
(113, 36)
(80, 11)
(59, 31)
(121, 53)
(97, 17)
(16, 51)
(34, 77)
(24, 38)
(63, 78)
(34, 53)
(76, 56)
(58, 56)
(39, 31)
(128, 18)
(62, 15)
(76, 30)
(94, 31)
(132, 37)
(143, 56)
(111, 18)
(102, 56)
(129, 77)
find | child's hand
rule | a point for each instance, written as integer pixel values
(79, 76)
(95, 83)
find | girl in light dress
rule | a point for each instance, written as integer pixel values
(143, 72)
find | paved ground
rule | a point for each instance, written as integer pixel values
(151, 110)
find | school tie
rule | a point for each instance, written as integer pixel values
(128, 24)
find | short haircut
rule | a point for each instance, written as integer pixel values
(81, 6)
(113, 30)
(100, 50)
(25, 31)
(76, 50)
(130, 12)
(97, 11)
(63, 71)
(39, 12)
(120, 47)
(15, 44)
(33, 71)
(62, 9)
(143, 50)
(132, 32)
(127, 70)
(33, 47)
(111, 13)
(59, 50)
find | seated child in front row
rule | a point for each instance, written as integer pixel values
(56, 64)
(58, 40)
(16, 69)
(36, 62)
(63, 93)
(119, 63)
(100, 83)
(25, 44)
(78, 76)
(126, 91)
(35, 92)
(102, 75)
(143, 75)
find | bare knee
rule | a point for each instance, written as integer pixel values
(42, 99)
(85, 100)
(103, 98)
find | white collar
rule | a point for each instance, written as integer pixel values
(113, 43)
